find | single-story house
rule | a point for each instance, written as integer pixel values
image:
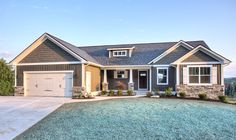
(53, 67)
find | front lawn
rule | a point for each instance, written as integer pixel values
(138, 118)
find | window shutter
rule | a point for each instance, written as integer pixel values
(115, 74)
(214, 75)
(126, 74)
(185, 75)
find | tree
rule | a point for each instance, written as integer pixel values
(6, 79)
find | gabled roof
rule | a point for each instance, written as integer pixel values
(142, 54)
(209, 52)
(75, 49)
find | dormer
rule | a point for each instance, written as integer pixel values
(120, 52)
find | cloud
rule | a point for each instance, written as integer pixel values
(230, 71)
(40, 7)
(6, 54)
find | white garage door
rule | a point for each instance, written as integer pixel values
(48, 84)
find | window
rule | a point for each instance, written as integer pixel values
(120, 74)
(119, 53)
(200, 75)
(162, 76)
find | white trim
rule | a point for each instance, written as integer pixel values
(199, 75)
(150, 79)
(66, 49)
(147, 80)
(161, 65)
(112, 49)
(222, 75)
(127, 67)
(94, 64)
(211, 53)
(48, 63)
(131, 76)
(186, 45)
(15, 67)
(199, 63)
(37, 43)
(66, 71)
(119, 55)
(177, 75)
(105, 76)
(167, 75)
(83, 75)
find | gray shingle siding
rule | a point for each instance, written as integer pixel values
(171, 78)
(173, 56)
(48, 52)
(200, 57)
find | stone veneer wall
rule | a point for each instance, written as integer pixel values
(212, 91)
(19, 91)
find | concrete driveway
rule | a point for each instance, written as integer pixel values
(19, 113)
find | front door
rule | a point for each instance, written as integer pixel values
(143, 79)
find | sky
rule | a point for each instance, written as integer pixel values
(96, 22)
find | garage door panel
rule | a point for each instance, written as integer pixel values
(48, 84)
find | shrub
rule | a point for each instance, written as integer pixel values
(223, 98)
(90, 96)
(120, 86)
(6, 79)
(182, 94)
(149, 94)
(111, 93)
(130, 92)
(104, 92)
(202, 96)
(119, 93)
(163, 94)
(168, 92)
(157, 92)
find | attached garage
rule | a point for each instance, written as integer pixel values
(48, 83)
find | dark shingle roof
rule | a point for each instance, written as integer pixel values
(142, 54)
(75, 49)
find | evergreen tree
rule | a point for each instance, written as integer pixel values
(6, 79)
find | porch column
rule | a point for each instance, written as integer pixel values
(131, 83)
(105, 84)
(177, 74)
(222, 75)
(150, 79)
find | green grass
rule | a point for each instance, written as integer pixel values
(141, 118)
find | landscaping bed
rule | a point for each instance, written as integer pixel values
(138, 118)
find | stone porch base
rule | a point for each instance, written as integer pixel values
(212, 91)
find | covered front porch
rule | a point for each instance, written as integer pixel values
(126, 78)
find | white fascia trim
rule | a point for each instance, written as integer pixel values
(200, 63)
(167, 76)
(48, 63)
(66, 49)
(94, 64)
(66, 71)
(111, 49)
(127, 67)
(205, 50)
(161, 65)
(36, 43)
(186, 45)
